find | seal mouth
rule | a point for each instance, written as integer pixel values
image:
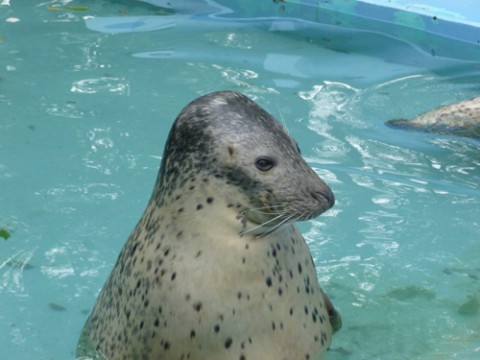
(267, 218)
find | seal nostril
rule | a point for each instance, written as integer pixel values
(316, 195)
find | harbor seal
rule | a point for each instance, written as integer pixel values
(459, 119)
(215, 268)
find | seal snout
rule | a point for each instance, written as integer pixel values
(322, 194)
(398, 123)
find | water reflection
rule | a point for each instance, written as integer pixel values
(12, 269)
(114, 85)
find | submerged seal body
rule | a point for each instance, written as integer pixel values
(459, 119)
(215, 268)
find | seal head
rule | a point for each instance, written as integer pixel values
(230, 137)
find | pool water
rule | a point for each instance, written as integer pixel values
(88, 92)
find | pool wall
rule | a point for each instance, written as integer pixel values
(433, 17)
(441, 27)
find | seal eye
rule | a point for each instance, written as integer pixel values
(264, 164)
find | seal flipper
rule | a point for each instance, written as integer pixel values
(333, 314)
(85, 347)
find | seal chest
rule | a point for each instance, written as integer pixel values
(215, 268)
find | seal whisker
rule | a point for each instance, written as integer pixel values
(271, 209)
(262, 224)
(285, 221)
(282, 120)
(267, 212)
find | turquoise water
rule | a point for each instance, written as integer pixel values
(84, 115)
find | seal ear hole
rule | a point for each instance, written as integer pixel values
(264, 163)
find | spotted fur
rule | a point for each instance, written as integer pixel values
(215, 268)
(459, 119)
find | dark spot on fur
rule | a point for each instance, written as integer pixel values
(324, 338)
(197, 306)
(228, 343)
(210, 200)
(216, 328)
(268, 281)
